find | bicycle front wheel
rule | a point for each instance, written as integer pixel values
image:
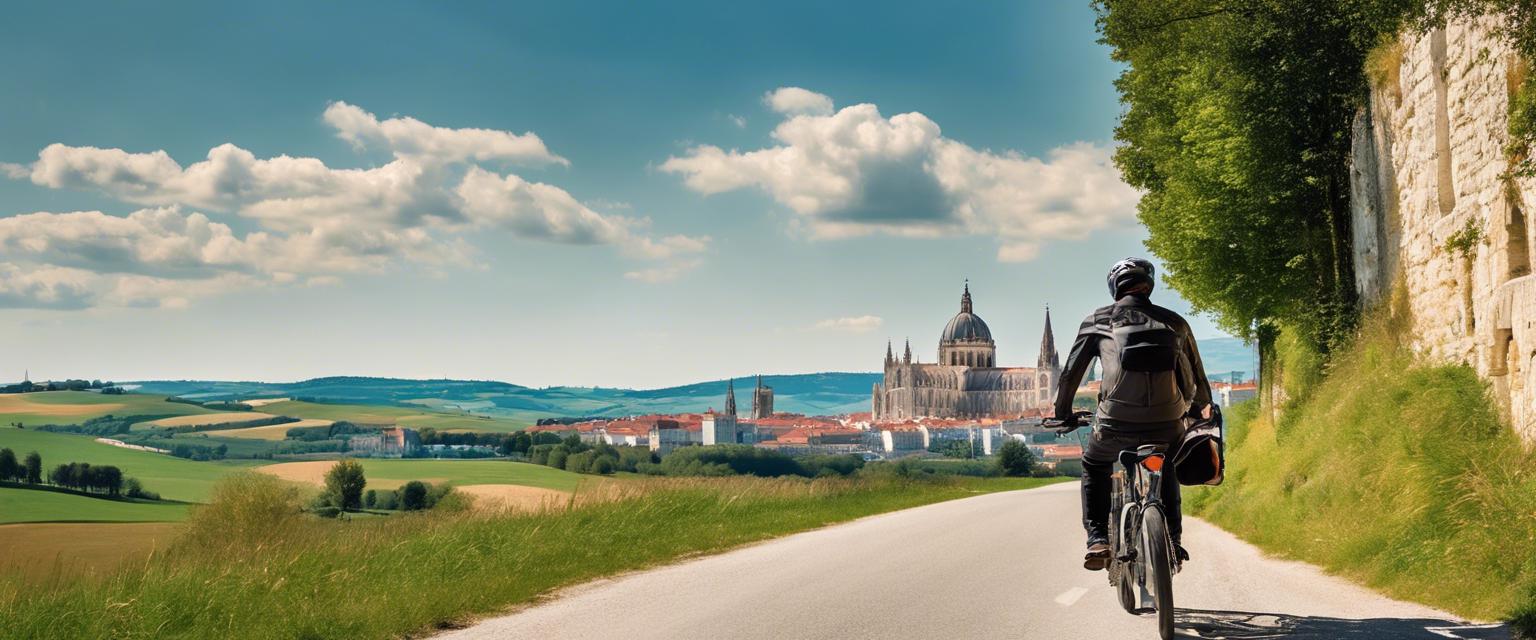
(1159, 549)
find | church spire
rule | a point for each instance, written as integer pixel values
(890, 358)
(730, 398)
(907, 357)
(965, 298)
(1048, 357)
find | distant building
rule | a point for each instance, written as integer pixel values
(966, 382)
(901, 440)
(762, 400)
(719, 428)
(1230, 394)
(392, 442)
(667, 435)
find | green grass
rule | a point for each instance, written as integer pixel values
(173, 478)
(73, 407)
(250, 566)
(1390, 471)
(405, 417)
(32, 505)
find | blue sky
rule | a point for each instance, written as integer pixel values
(597, 193)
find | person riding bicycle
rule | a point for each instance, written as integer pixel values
(1152, 381)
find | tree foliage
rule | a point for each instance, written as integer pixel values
(1237, 127)
(1014, 459)
(344, 484)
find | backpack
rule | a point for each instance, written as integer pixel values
(1147, 374)
(1202, 455)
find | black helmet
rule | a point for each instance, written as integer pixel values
(1128, 272)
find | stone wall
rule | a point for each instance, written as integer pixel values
(1429, 168)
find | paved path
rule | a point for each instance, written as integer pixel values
(1003, 565)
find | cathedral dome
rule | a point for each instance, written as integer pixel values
(966, 326)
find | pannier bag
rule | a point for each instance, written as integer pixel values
(1202, 457)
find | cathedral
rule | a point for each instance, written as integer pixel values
(966, 381)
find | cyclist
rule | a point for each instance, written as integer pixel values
(1152, 381)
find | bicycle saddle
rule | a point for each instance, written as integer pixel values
(1133, 457)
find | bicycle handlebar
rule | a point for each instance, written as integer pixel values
(1064, 427)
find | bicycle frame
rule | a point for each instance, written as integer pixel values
(1137, 490)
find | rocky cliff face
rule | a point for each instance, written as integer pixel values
(1435, 210)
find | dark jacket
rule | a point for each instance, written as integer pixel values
(1095, 340)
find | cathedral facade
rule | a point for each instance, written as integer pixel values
(966, 381)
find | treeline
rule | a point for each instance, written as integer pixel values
(344, 491)
(107, 425)
(331, 432)
(83, 477)
(1237, 129)
(572, 454)
(27, 386)
(218, 405)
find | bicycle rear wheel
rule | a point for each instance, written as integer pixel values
(1160, 565)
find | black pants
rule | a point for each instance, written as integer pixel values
(1099, 458)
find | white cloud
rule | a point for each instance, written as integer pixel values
(739, 121)
(857, 172)
(856, 324)
(316, 221)
(665, 273)
(794, 100)
(411, 138)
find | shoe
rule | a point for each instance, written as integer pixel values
(1097, 557)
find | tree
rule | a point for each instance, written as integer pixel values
(344, 484)
(9, 469)
(371, 499)
(413, 496)
(34, 467)
(1014, 459)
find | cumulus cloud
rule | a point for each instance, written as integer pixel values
(412, 138)
(856, 324)
(855, 172)
(794, 100)
(315, 221)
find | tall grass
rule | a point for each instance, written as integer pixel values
(1391, 471)
(251, 566)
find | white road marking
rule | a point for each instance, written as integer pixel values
(1070, 596)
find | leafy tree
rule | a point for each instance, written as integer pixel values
(545, 437)
(344, 484)
(34, 468)
(370, 498)
(413, 496)
(557, 456)
(9, 468)
(1014, 459)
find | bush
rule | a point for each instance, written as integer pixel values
(344, 484)
(245, 509)
(413, 496)
(557, 456)
(729, 459)
(387, 500)
(1014, 459)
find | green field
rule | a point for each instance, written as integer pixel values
(252, 554)
(73, 407)
(173, 478)
(32, 505)
(413, 418)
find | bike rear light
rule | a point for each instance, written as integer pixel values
(1153, 463)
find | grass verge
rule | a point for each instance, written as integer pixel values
(251, 566)
(1392, 472)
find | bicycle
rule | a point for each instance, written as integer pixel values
(1142, 564)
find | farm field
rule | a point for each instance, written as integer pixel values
(196, 420)
(66, 407)
(33, 505)
(391, 473)
(413, 418)
(173, 478)
(46, 550)
(269, 432)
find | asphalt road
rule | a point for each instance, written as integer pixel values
(1005, 565)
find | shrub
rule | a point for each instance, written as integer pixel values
(557, 456)
(413, 496)
(1014, 459)
(344, 484)
(244, 509)
(729, 459)
(387, 500)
